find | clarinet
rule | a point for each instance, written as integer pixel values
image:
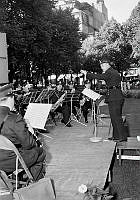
(34, 133)
(38, 142)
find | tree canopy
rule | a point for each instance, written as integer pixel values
(120, 42)
(41, 38)
(133, 30)
(111, 40)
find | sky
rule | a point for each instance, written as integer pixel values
(120, 9)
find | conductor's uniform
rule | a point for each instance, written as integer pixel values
(115, 100)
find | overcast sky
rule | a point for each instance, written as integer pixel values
(120, 9)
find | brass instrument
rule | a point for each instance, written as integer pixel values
(58, 103)
(83, 100)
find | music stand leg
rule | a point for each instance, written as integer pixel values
(92, 112)
(95, 138)
(73, 117)
(99, 118)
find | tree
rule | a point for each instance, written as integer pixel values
(41, 38)
(66, 40)
(132, 28)
(136, 45)
(26, 23)
(111, 40)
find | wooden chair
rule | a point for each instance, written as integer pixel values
(6, 144)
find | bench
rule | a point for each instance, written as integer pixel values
(131, 144)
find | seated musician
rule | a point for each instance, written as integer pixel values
(63, 107)
(14, 127)
(75, 102)
(71, 87)
(26, 87)
(85, 102)
(49, 87)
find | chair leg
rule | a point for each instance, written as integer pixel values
(120, 154)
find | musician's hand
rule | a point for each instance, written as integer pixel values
(30, 128)
(73, 90)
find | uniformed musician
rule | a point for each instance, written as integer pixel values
(63, 107)
(114, 97)
(85, 102)
(75, 99)
(14, 127)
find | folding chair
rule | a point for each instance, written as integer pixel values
(6, 144)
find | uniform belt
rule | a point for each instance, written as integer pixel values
(114, 87)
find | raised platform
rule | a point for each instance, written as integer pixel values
(74, 160)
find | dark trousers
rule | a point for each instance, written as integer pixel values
(34, 159)
(87, 105)
(35, 163)
(65, 110)
(115, 111)
(66, 113)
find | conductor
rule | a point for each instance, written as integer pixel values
(114, 97)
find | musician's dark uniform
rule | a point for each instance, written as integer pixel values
(64, 109)
(115, 100)
(85, 108)
(15, 129)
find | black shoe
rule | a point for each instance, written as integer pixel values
(116, 140)
(111, 138)
(69, 125)
(123, 140)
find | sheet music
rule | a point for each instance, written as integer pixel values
(37, 114)
(91, 94)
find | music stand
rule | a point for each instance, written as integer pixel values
(70, 97)
(94, 96)
(37, 111)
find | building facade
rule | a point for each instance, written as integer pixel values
(91, 15)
